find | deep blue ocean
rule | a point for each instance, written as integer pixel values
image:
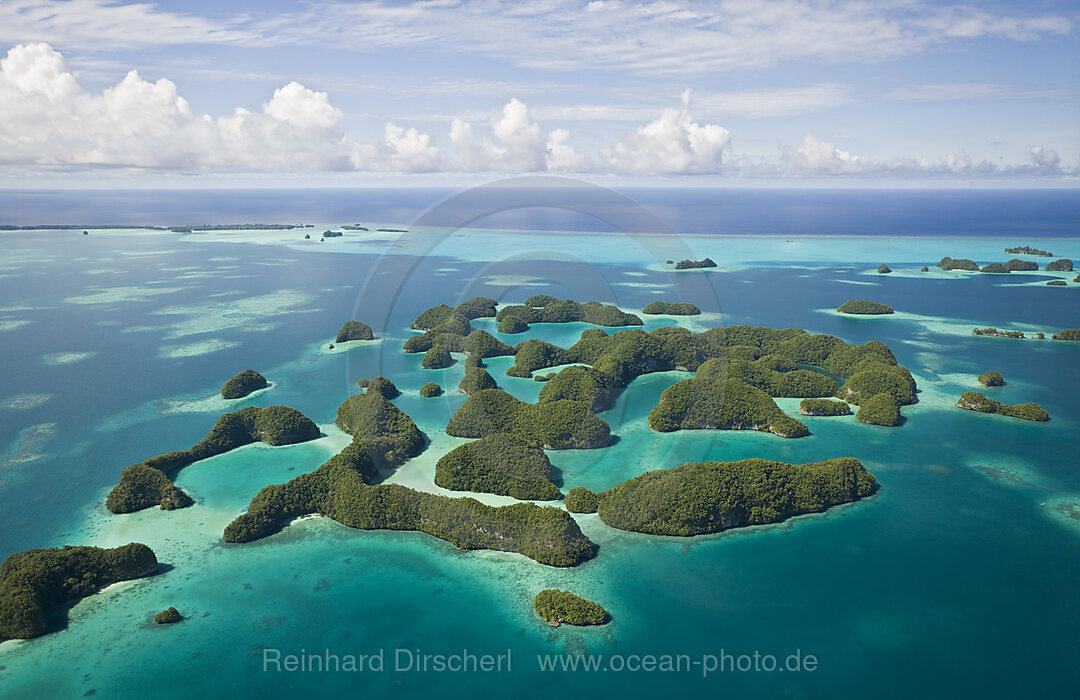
(957, 580)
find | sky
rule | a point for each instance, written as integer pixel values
(741, 92)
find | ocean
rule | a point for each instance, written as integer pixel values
(957, 579)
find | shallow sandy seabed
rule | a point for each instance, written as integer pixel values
(25, 446)
(238, 313)
(202, 347)
(111, 295)
(12, 325)
(66, 358)
(25, 402)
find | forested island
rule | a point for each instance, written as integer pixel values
(695, 264)
(243, 384)
(1062, 265)
(431, 390)
(948, 263)
(354, 330)
(996, 333)
(824, 407)
(37, 580)
(864, 307)
(991, 378)
(543, 308)
(664, 308)
(1067, 334)
(1028, 250)
(883, 269)
(563, 607)
(974, 401)
(149, 484)
(499, 463)
(708, 497)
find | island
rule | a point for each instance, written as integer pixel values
(449, 328)
(924, 268)
(149, 484)
(431, 390)
(562, 607)
(354, 330)
(883, 269)
(581, 500)
(512, 325)
(437, 357)
(34, 581)
(879, 409)
(1062, 265)
(1017, 265)
(948, 263)
(1028, 250)
(995, 333)
(1057, 283)
(1067, 334)
(708, 497)
(694, 264)
(342, 489)
(332, 234)
(243, 384)
(974, 401)
(476, 378)
(354, 227)
(863, 307)
(168, 617)
(998, 268)
(380, 385)
(554, 425)
(824, 407)
(664, 308)
(991, 378)
(501, 464)
(547, 309)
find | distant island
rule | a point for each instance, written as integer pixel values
(1062, 265)
(994, 332)
(500, 464)
(1067, 334)
(547, 309)
(243, 384)
(991, 378)
(824, 407)
(883, 269)
(332, 234)
(1028, 250)
(354, 330)
(974, 401)
(1057, 283)
(431, 390)
(694, 264)
(562, 607)
(354, 227)
(861, 306)
(168, 617)
(671, 309)
(37, 580)
(948, 263)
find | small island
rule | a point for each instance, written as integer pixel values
(354, 330)
(1028, 250)
(974, 401)
(499, 464)
(1067, 334)
(664, 308)
(948, 263)
(879, 409)
(883, 269)
(824, 407)
(332, 234)
(554, 425)
(431, 390)
(168, 617)
(996, 333)
(991, 378)
(512, 325)
(1017, 265)
(37, 580)
(562, 607)
(695, 264)
(547, 309)
(437, 357)
(863, 307)
(1062, 265)
(243, 384)
(581, 500)
(476, 378)
(997, 268)
(1057, 283)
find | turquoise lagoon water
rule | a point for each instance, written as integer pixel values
(957, 579)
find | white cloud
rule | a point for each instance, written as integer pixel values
(518, 146)
(943, 92)
(670, 144)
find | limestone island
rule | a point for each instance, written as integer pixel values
(694, 264)
(383, 438)
(709, 497)
(664, 308)
(1057, 283)
(431, 390)
(974, 401)
(1062, 265)
(354, 330)
(499, 463)
(562, 607)
(883, 269)
(824, 407)
(243, 384)
(543, 308)
(37, 580)
(863, 307)
(995, 333)
(149, 484)
(380, 385)
(948, 263)
(168, 617)
(991, 378)
(1067, 334)
(998, 268)
(1017, 265)
(1028, 250)
(437, 357)
(879, 409)
(332, 234)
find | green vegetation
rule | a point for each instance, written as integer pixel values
(1057, 283)
(546, 309)
(861, 306)
(594, 388)
(1017, 265)
(449, 328)
(1067, 334)
(702, 498)
(475, 379)
(430, 390)
(671, 309)
(883, 269)
(1062, 265)
(36, 580)
(997, 333)
(694, 264)
(924, 268)
(354, 330)
(380, 385)
(879, 409)
(168, 617)
(872, 377)
(388, 436)
(1028, 250)
(513, 324)
(581, 500)
(437, 357)
(824, 407)
(477, 307)
(563, 607)
(560, 424)
(991, 378)
(974, 401)
(243, 384)
(500, 464)
(148, 484)
(716, 400)
(998, 268)
(948, 263)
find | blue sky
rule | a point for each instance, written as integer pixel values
(789, 91)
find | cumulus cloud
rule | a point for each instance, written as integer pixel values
(670, 144)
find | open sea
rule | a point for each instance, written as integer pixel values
(958, 579)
